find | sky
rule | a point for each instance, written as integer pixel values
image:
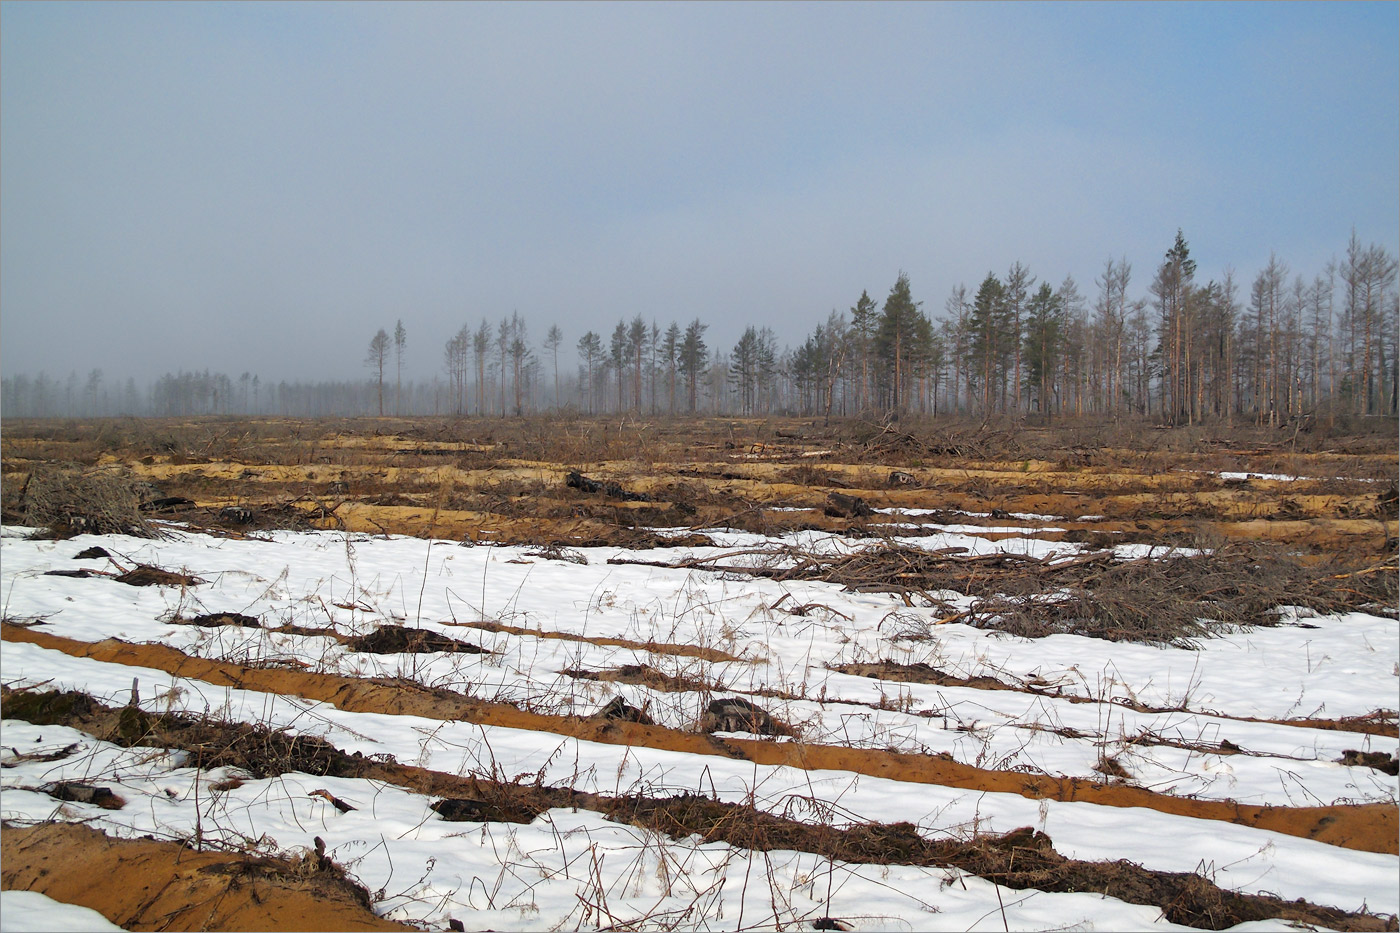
(260, 187)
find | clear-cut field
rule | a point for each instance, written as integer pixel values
(485, 661)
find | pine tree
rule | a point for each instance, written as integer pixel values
(1044, 326)
(590, 351)
(1172, 289)
(1015, 293)
(692, 360)
(376, 358)
(896, 341)
(670, 353)
(618, 356)
(400, 340)
(864, 325)
(988, 337)
(552, 339)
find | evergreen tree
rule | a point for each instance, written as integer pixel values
(692, 360)
(897, 342)
(618, 356)
(751, 365)
(864, 325)
(1015, 294)
(481, 345)
(1044, 324)
(670, 354)
(636, 341)
(988, 337)
(552, 339)
(1172, 289)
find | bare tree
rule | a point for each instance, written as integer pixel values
(400, 339)
(455, 356)
(1111, 323)
(481, 345)
(376, 359)
(552, 339)
(590, 351)
(1368, 275)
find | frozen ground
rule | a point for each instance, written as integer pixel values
(574, 868)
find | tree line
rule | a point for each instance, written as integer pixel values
(1179, 350)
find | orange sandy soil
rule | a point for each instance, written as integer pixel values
(505, 480)
(1370, 827)
(150, 884)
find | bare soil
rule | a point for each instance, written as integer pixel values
(1022, 858)
(506, 481)
(1369, 827)
(155, 884)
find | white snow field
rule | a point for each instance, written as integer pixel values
(574, 868)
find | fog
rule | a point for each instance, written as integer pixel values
(260, 187)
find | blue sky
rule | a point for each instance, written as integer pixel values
(259, 186)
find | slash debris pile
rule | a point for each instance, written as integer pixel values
(1172, 600)
(72, 501)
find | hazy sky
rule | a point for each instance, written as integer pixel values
(260, 187)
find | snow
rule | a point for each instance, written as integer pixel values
(26, 911)
(575, 868)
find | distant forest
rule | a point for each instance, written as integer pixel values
(1180, 351)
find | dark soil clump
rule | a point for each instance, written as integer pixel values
(396, 639)
(465, 810)
(77, 792)
(216, 619)
(1378, 760)
(735, 714)
(259, 751)
(145, 575)
(640, 674)
(918, 673)
(619, 710)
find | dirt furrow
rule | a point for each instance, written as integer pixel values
(1020, 859)
(1368, 827)
(153, 884)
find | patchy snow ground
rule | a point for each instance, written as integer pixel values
(576, 869)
